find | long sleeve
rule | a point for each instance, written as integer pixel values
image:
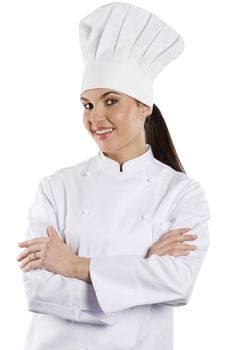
(124, 281)
(54, 294)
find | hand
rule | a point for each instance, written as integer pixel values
(51, 254)
(170, 243)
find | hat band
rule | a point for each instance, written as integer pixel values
(126, 77)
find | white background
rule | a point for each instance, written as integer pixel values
(42, 131)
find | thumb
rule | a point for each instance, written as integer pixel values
(52, 231)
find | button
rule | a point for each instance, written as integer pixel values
(88, 172)
(148, 180)
(85, 211)
(143, 217)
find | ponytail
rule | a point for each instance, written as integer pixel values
(158, 137)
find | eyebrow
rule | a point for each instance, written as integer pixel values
(102, 96)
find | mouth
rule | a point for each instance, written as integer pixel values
(104, 133)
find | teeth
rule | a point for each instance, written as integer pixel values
(104, 131)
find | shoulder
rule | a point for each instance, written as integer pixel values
(169, 176)
(175, 183)
(182, 195)
(62, 177)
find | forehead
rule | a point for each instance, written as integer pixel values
(98, 93)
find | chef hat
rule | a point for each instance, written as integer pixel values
(124, 47)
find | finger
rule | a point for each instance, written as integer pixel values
(162, 242)
(53, 232)
(177, 231)
(174, 238)
(173, 246)
(186, 238)
(31, 249)
(172, 252)
(32, 265)
(184, 246)
(24, 262)
(29, 258)
(179, 238)
(177, 252)
(33, 241)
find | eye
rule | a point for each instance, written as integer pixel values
(112, 100)
(85, 106)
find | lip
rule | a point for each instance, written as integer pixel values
(102, 137)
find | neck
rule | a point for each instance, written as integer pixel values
(127, 152)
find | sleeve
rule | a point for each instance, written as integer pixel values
(54, 294)
(125, 281)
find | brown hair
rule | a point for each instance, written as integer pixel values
(159, 138)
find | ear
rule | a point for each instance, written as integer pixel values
(145, 110)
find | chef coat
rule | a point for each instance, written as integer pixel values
(114, 217)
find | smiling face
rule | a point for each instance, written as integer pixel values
(105, 109)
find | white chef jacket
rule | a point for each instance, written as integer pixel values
(114, 217)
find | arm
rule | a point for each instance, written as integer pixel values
(124, 281)
(51, 293)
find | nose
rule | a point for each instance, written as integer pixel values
(97, 117)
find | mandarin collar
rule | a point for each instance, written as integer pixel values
(137, 164)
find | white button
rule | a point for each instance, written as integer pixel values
(85, 211)
(88, 172)
(143, 217)
(148, 180)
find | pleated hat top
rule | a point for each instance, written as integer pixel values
(124, 47)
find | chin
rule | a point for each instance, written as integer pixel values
(108, 148)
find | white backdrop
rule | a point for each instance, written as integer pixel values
(42, 131)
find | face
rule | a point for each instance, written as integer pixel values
(106, 108)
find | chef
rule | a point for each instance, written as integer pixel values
(109, 250)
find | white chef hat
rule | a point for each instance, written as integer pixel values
(124, 48)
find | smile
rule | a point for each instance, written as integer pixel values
(104, 134)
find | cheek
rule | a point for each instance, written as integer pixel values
(121, 124)
(86, 121)
(125, 122)
(130, 123)
(120, 118)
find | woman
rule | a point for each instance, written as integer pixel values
(108, 251)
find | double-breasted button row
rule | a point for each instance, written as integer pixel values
(86, 211)
(89, 172)
(146, 216)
